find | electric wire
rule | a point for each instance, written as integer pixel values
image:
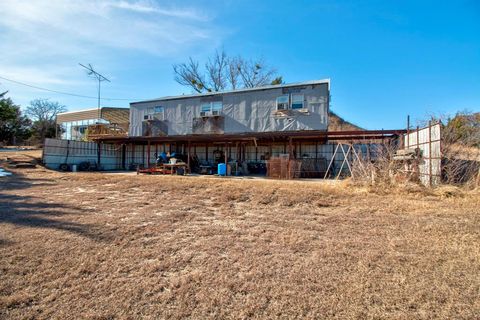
(66, 93)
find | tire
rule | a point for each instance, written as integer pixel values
(84, 166)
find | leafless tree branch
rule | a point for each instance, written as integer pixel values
(189, 74)
(223, 72)
(217, 71)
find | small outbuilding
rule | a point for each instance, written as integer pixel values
(84, 124)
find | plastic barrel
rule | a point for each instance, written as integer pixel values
(74, 168)
(222, 169)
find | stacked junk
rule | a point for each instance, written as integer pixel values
(285, 167)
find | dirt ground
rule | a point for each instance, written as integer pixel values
(92, 245)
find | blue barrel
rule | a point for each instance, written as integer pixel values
(222, 169)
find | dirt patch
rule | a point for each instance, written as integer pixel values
(91, 245)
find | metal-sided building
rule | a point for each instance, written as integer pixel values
(244, 127)
(293, 107)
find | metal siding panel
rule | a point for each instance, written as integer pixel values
(251, 111)
(78, 116)
(55, 153)
(430, 146)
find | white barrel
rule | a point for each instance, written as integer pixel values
(74, 168)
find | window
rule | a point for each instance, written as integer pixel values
(148, 114)
(297, 101)
(212, 107)
(159, 113)
(217, 106)
(206, 107)
(282, 102)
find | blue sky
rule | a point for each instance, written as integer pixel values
(385, 59)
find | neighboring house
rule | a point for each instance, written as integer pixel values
(289, 107)
(74, 125)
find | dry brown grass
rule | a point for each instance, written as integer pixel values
(114, 246)
(35, 153)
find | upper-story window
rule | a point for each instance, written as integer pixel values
(211, 108)
(153, 113)
(206, 107)
(159, 113)
(217, 106)
(297, 101)
(282, 102)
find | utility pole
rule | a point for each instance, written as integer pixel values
(99, 78)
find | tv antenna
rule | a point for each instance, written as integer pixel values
(99, 78)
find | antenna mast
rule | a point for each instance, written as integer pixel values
(99, 78)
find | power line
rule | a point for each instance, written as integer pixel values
(65, 93)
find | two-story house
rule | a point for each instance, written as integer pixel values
(277, 108)
(245, 126)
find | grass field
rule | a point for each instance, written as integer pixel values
(91, 245)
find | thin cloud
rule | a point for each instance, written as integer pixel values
(42, 76)
(150, 7)
(140, 26)
(43, 41)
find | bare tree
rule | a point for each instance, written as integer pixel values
(254, 73)
(277, 80)
(217, 71)
(233, 72)
(223, 72)
(43, 113)
(461, 149)
(189, 74)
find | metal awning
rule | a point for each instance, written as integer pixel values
(260, 136)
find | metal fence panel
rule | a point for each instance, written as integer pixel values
(428, 140)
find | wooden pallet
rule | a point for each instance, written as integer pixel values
(21, 162)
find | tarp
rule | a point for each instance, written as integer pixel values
(243, 111)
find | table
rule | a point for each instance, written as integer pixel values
(174, 166)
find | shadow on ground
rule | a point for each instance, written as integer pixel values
(34, 212)
(18, 181)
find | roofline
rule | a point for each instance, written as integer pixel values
(275, 86)
(92, 109)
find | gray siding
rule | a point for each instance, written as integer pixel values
(243, 111)
(57, 152)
